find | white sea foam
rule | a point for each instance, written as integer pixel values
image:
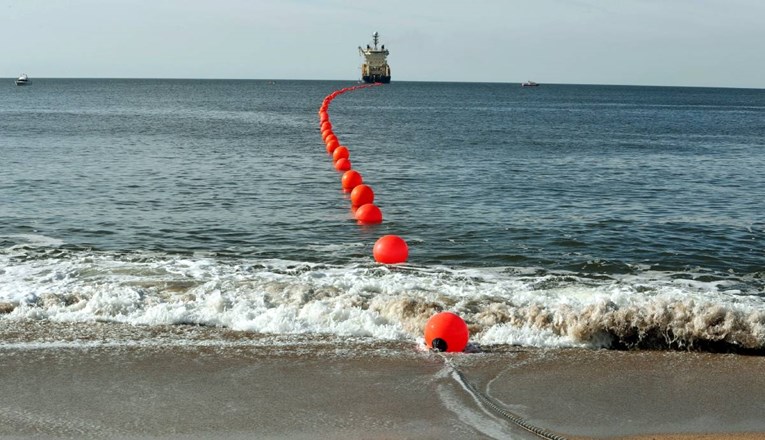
(501, 305)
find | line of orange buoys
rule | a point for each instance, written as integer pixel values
(389, 249)
(443, 332)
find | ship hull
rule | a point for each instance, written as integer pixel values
(376, 79)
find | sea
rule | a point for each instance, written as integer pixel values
(208, 212)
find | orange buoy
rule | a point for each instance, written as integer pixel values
(361, 195)
(351, 179)
(343, 164)
(325, 133)
(341, 152)
(332, 145)
(368, 214)
(325, 125)
(446, 331)
(390, 249)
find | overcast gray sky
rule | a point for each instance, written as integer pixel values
(642, 42)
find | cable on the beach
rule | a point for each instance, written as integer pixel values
(459, 376)
(389, 249)
(445, 331)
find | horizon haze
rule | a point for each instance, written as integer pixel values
(709, 43)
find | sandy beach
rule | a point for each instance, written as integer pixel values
(636, 395)
(346, 390)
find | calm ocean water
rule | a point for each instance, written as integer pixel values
(563, 215)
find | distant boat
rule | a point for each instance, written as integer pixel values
(375, 68)
(529, 84)
(22, 80)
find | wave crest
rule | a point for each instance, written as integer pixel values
(523, 306)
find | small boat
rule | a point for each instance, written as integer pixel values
(529, 84)
(22, 80)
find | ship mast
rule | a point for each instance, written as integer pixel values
(375, 36)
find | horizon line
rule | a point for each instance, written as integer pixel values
(402, 81)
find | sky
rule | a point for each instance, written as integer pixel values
(715, 43)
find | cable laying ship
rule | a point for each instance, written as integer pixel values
(375, 68)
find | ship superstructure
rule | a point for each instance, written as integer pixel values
(375, 68)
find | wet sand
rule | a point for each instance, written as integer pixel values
(636, 395)
(341, 393)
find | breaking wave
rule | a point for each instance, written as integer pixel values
(646, 309)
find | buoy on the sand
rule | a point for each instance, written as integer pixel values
(368, 214)
(351, 179)
(390, 249)
(446, 331)
(361, 195)
(341, 152)
(343, 164)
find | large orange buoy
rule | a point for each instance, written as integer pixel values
(361, 195)
(332, 145)
(368, 214)
(325, 125)
(390, 249)
(351, 179)
(343, 164)
(446, 331)
(341, 152)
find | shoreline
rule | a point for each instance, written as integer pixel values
(359, 391)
